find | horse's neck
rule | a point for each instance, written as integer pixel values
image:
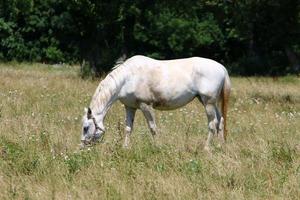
(107, 92)
(102, 102)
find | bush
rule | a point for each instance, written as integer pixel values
(54, 55)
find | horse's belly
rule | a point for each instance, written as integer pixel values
(158, 102)
(163, 91)
(173, 103)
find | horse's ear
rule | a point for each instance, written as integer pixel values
(89, 113)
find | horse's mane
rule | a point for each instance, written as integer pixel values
(108, 86)
(119, 62)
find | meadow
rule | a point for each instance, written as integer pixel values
(40, 125)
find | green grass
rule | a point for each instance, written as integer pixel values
(40, 121)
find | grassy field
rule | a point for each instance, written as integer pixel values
(40, 124)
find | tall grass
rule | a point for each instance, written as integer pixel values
(40, 121)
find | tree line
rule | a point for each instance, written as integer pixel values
(250, 37)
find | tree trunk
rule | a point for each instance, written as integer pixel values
(293, 59)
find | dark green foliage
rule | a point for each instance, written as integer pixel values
(249, 37)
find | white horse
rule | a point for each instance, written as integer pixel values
(146, 84)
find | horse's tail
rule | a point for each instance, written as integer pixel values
(224, 102)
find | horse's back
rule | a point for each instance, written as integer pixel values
(170, 83)
(204, 65)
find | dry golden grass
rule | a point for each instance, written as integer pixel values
(40, 121)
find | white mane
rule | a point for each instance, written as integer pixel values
(119, 62)
(108, 87)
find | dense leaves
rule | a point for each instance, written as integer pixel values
(249, 37)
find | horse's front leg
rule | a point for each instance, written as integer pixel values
(149, 115)
(130, 113)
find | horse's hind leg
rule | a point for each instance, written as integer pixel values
(221, 130)
(130, 113)
(220, 125)
(212, 117)
(149, 115)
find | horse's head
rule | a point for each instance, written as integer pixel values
(92, 130)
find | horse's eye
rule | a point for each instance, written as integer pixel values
(85, 129)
